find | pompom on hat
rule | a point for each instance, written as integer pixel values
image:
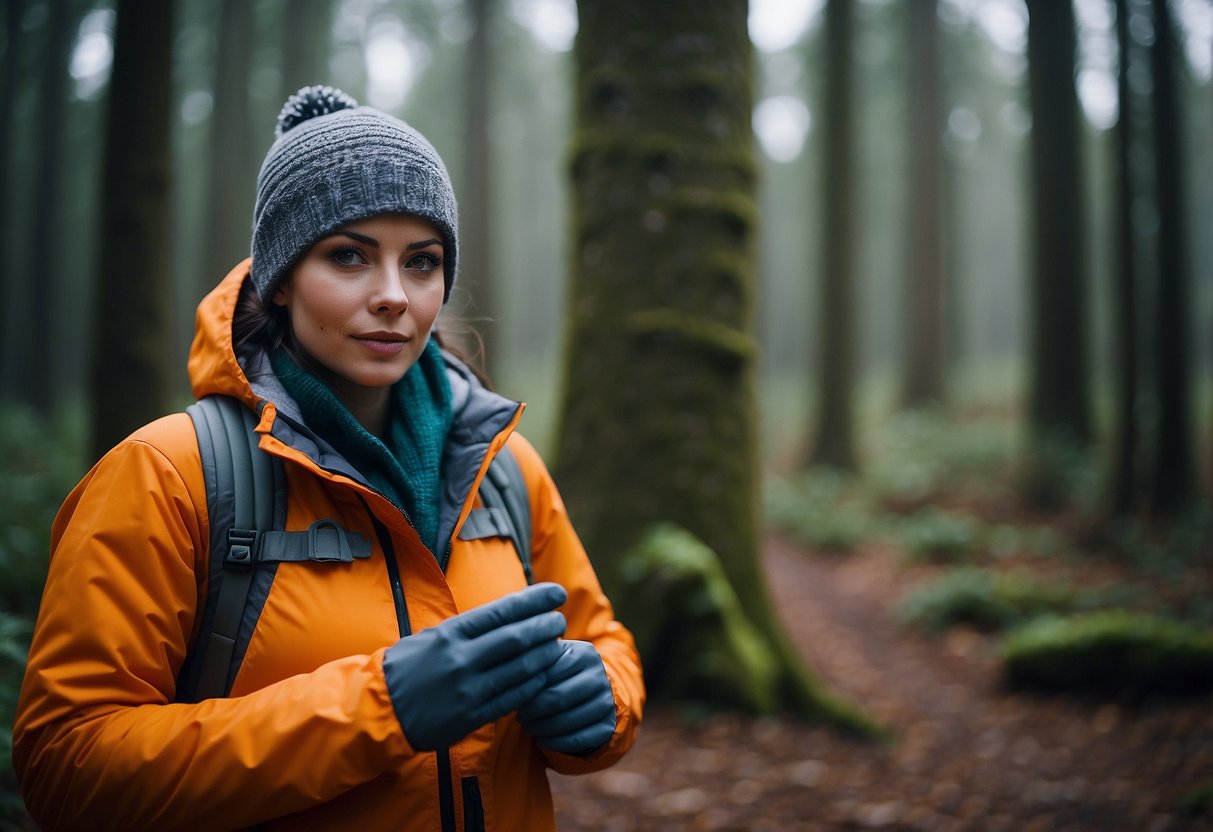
(334, 163)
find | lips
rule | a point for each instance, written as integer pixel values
(381, 336)
(385, 343)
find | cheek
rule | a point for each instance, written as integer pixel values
(428, 305)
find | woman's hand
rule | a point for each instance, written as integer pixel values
(575, 712)
(475, 668)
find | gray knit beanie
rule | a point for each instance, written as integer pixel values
(334, 163)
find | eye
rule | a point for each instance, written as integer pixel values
(346, 256)
(424, 261)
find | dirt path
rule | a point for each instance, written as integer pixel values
(967, 755)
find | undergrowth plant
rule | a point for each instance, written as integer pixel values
(1111, 653)
(989, 601)
(821, 508)
(14, 638)
(39, 464)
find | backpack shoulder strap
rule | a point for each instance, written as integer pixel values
(240, 498)
(507, 509)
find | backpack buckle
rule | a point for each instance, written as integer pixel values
(326, 543)
(240, 548)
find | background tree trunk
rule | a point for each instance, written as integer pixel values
(475, 204)
(233, 170)
(47, 233)
(306, 30)
(10, 367)
(1058, 407)
(129, 368)
(1173, 480)
(835, 444)
(659, 413)
(924, 368)
(1122, 490)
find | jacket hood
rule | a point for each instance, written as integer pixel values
(213, 366)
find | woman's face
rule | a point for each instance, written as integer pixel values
(362, 300)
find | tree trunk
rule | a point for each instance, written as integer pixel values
(659, 412)
(475, 237)
(306, 30)
(47, 234)
(232, 168)
(1121, 488)
(129, 369)
(1058, 410)
(923, 370)
(835, 444)
(1173, 482)
(10, 367)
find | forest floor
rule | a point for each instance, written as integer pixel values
(966, 754)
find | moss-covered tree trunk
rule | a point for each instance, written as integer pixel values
(129, 373)
(835, 442)
(659, 412)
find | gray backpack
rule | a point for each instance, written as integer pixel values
(246, 502)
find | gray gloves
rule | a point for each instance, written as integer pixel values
(475, 668)
(575, 711)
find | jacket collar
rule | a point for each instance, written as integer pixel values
(481, 420)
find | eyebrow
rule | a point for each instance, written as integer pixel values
(371, 241)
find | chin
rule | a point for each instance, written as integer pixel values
(382, 376)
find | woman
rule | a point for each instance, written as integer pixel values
(425, 687)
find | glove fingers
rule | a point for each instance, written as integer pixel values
(583, 741)
(577, 656)
(508, 700)
(513, 639)
(509, 674)
(573, 719)
(516, 606)
(563, 695)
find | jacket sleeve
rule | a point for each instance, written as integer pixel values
(557, 555)
(98, 741)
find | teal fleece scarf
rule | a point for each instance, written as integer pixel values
(406, 468)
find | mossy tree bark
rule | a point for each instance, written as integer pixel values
(129, 374)
(923, 372)
(1058, 404)
(659, 412)
(835, 443)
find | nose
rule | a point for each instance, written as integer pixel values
(387, 294)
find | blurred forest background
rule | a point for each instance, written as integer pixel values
(971, 313)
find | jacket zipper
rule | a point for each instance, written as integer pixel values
(393, 573)
(446, 797)
(473, 806)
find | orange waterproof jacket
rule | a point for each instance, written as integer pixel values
(309, 738)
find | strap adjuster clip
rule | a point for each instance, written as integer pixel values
(241, 547)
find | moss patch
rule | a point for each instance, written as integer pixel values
(1110, 654)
